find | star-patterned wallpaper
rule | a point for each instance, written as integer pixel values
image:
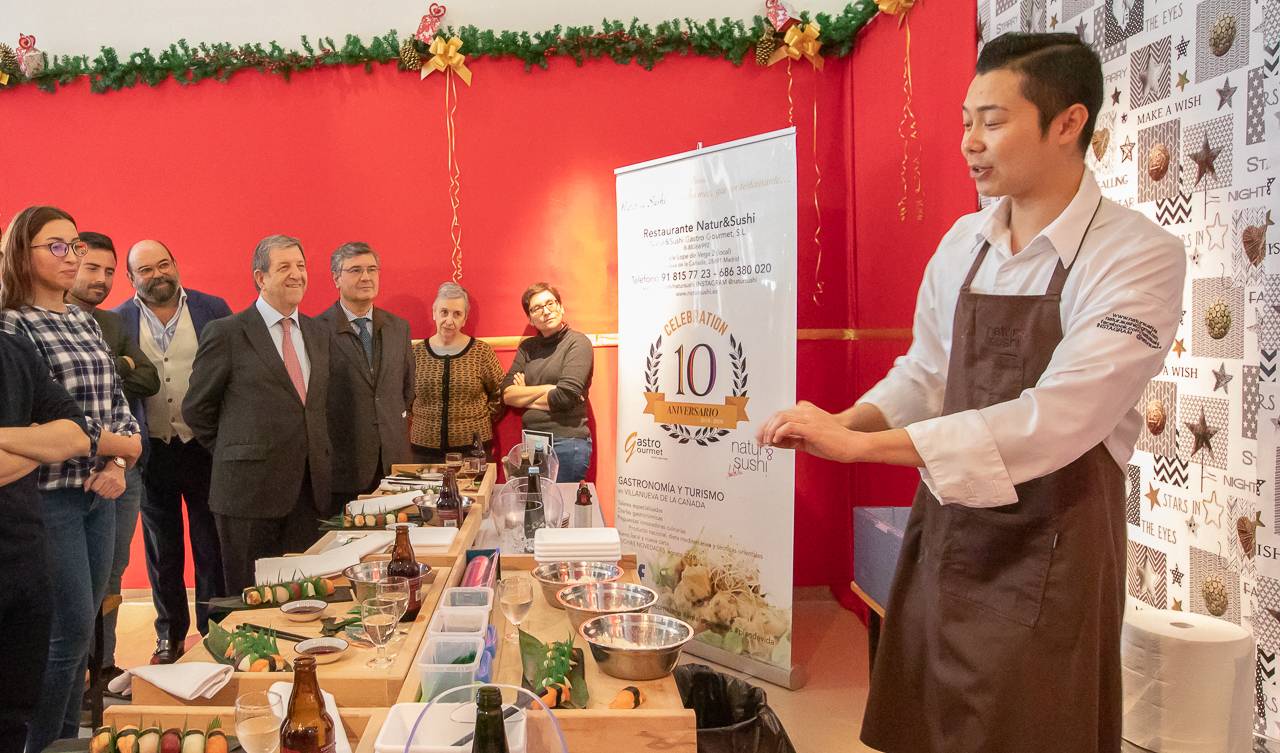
(1189, 135)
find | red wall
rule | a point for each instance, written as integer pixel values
(338, 154)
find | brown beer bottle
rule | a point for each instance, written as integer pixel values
(449, 505)
(307, 726)
(403, 563)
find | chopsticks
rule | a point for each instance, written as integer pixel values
(278, 633)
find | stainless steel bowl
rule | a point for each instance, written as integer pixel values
(636, 645)
(553, 576)
(364, 579)
(586, 600)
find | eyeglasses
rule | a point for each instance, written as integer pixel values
(543, 308)
(164, 268)
(360, 271)
(60, 248)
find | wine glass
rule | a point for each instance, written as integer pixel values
(258, 721)
(516, 597)
(453, 460)
(378, 616)
(396, 588)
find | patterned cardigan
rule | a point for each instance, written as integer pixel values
(458, 395)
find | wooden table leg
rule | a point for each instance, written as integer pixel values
(873, 638)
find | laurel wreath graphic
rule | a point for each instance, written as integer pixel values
(705, 435)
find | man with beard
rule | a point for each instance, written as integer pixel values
(168, 322)
(139, 380)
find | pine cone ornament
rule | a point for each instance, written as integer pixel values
(1101, 139)
(1217, 319)
(765, 46)
(1215, 596)
(1254, 239)
(1222, 35)
(410, 60)
(1155, 415)
(8, 59)
(1247, 530)
(1158, 162)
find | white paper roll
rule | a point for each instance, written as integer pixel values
(1188, 683)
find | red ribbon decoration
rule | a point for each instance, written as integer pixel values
(26, 42)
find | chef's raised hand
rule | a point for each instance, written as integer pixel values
(809, 428)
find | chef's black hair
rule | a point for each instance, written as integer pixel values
(1058, 71)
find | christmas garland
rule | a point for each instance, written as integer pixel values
(646, 45)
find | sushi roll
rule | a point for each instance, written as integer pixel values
(629, 697)
(216, 739)
(391, 518)
(127, 739)
(402, 517)
(308, 589)
(193, 741)
(252, 597)
(359, 521)
(102, 741)
(149, 740)
(281, 593)
(555, 694)
(171, 741)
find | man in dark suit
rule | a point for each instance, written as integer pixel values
(139, 380)
(257, 401)
(370, 377)
(168, 322)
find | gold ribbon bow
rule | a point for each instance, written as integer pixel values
(800, 42)
(445, 56)
(897, 8)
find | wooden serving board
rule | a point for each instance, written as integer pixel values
(480, 495)
(435, 557)
(662, 723)
(359, 724)
(352, 683)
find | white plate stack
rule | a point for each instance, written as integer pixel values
(577, 545)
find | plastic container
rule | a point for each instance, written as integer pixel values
(436, 668)
(458, 623)
(460, 597)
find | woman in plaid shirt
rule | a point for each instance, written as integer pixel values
(42, 251)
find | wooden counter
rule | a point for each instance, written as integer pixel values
(662, 723)
(361, 725)
(352, 683)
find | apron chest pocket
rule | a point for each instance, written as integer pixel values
(997, 563)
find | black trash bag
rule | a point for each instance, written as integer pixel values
(733, 715)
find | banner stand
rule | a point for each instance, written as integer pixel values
(707, 350)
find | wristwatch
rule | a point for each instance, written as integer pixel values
(120, 462)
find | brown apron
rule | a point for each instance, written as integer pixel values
(1002, 633)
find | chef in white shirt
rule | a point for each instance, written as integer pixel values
(1038, 323)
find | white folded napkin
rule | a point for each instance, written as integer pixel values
(432, 537)
(575, 557)
(580, 537)
(382, 505)
(186, 680)
(279, 569)
(285, 689)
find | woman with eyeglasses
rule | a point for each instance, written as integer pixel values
(42, 251)
(549, 379)
(457, 379)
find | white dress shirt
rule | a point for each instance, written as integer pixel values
(1120, 310)
(352, 317)
(273, 319)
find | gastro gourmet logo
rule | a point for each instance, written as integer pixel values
(643, 445)
(697, 375)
